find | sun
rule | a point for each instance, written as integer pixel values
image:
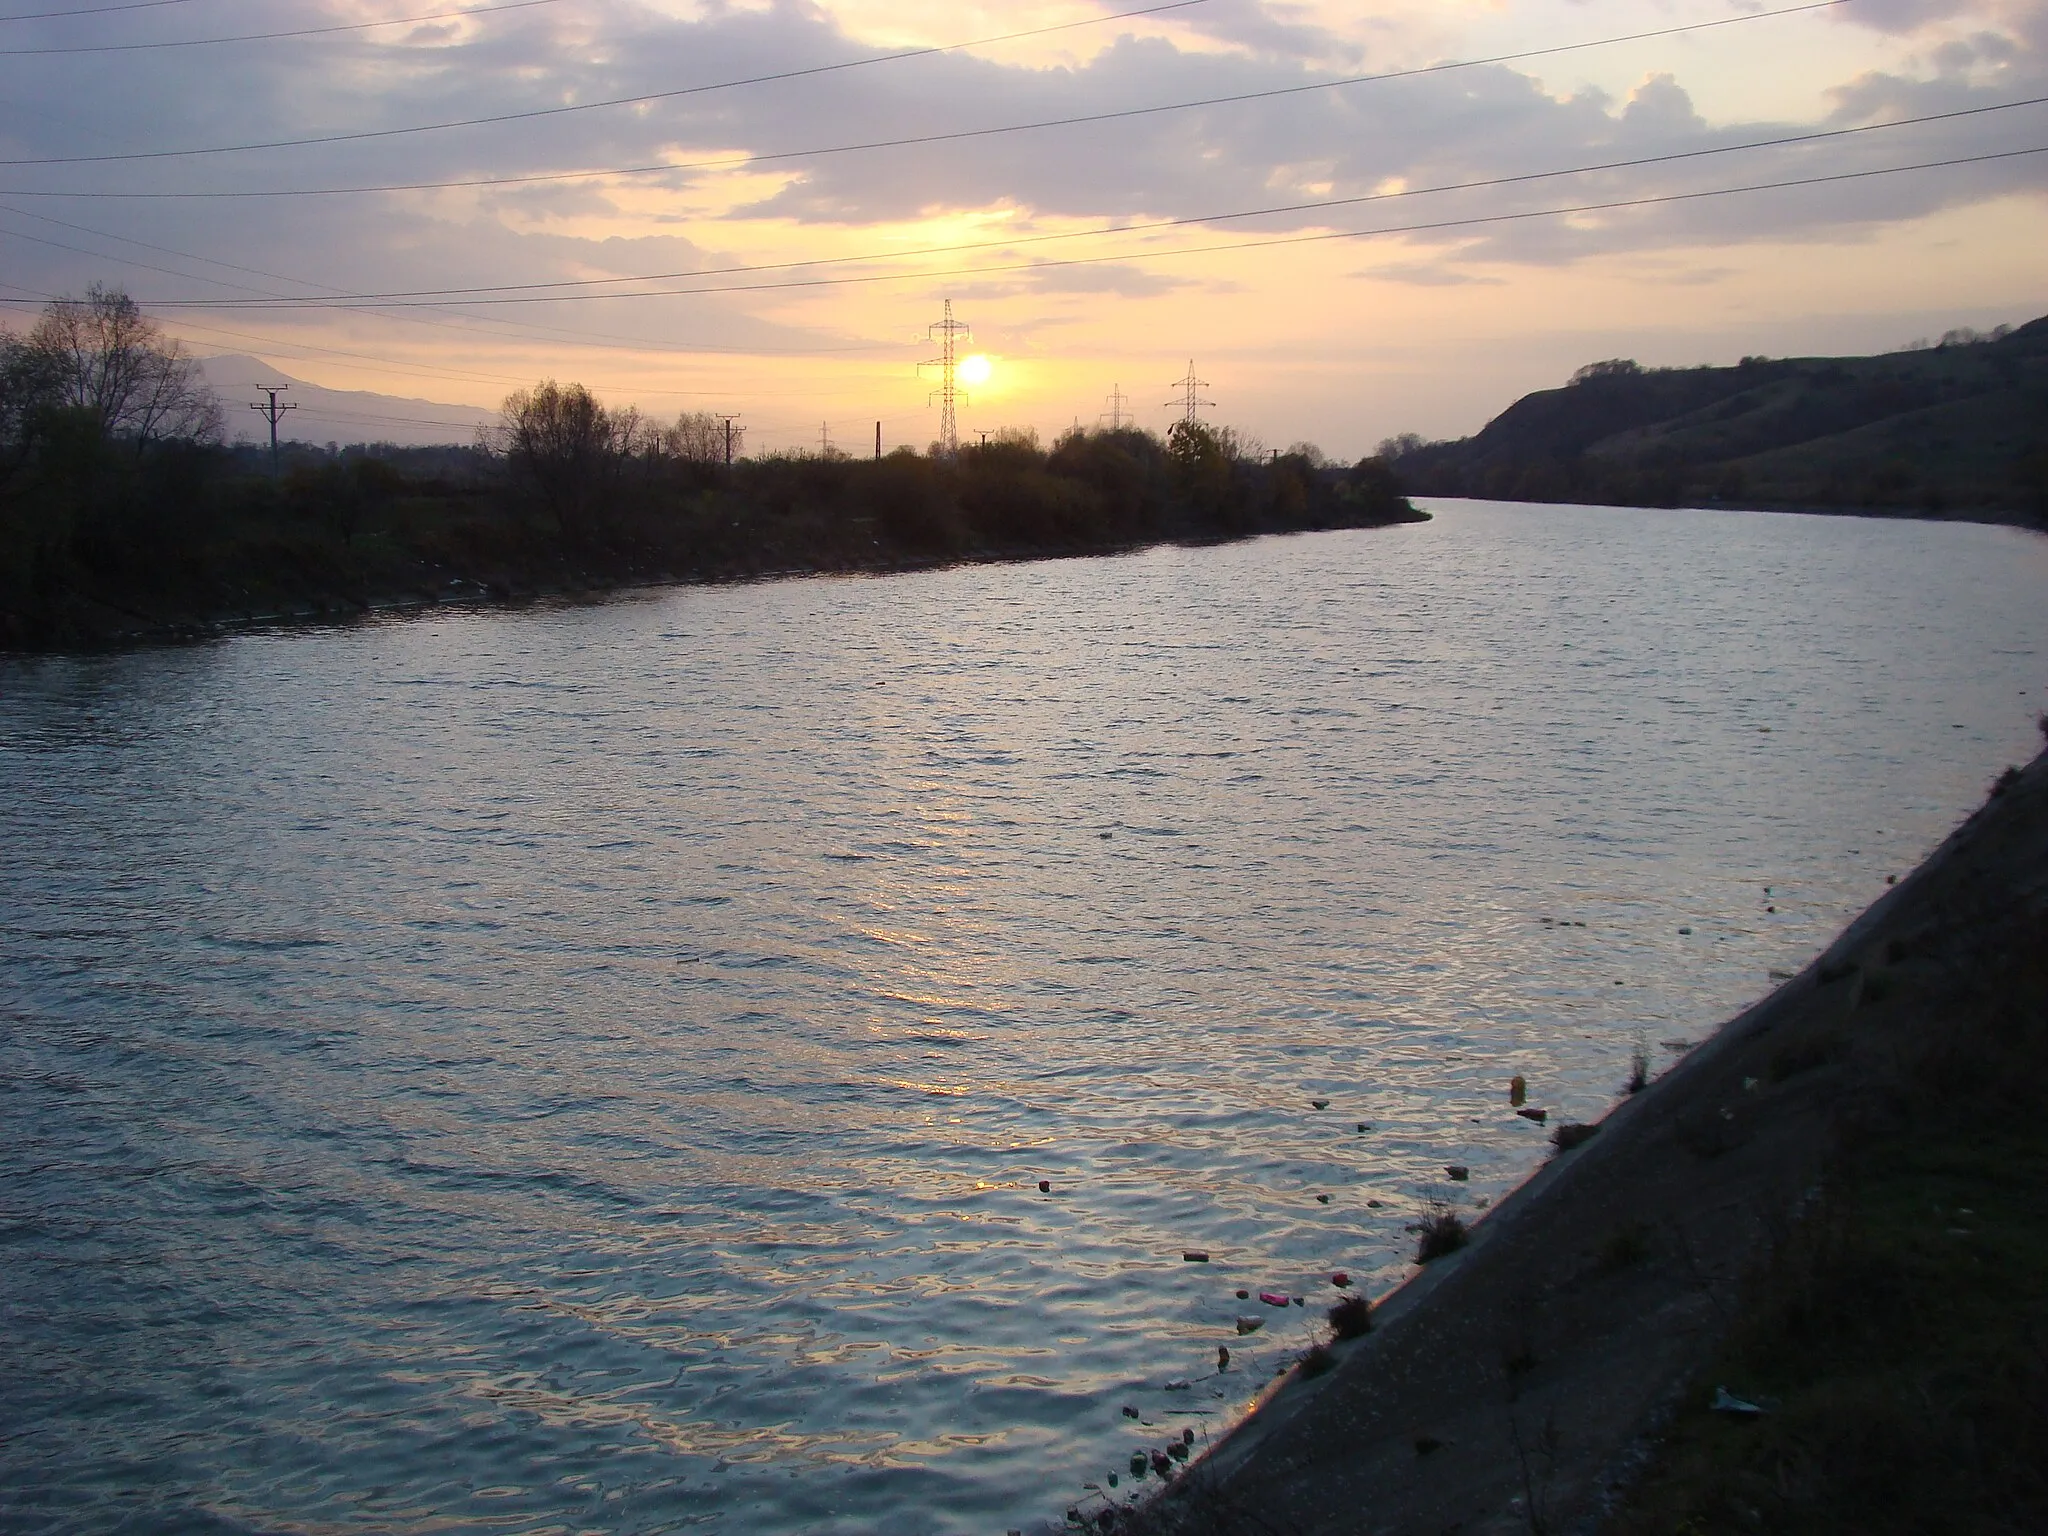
(976, 369)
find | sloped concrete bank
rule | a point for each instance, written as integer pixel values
(1517, 1385)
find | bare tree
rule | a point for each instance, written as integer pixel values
(103, 356)
(699, 438)
(566, 445)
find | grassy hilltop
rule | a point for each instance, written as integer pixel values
(1959, 428)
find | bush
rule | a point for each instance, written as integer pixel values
(1442, 1232)
(1351, 1318)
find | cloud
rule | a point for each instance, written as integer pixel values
(1325, 140)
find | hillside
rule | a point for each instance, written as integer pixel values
(1959, 429)
(322, 415)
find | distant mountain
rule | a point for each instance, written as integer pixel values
(334, 415)
(1954, 429)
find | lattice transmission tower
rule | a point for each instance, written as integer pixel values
(1118, 416)
(948, 333)
(1191, 401)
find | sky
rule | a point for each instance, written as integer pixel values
(1354, 220)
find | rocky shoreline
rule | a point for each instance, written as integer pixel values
(1521, 1383)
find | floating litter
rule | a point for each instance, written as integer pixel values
(1194, 1256)
(1518, 1089)
(1685, 932)
(1250, 1324)
(1376, 1205)
(1045, 1186)
(1137, 1463)
(1222, 1357)
(1363, 1126)
(1187, 1437)
(1538, 1116)
(1179, 1385)
(1178, 1450)
(1301, 1301)
(1130, 1412)
(1340, 1279)
(1458, 1172)
(1322, 1199)
(1244, 1295)
(1319, 1103)
(1274, 1298)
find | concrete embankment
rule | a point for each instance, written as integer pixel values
(1519, 1384)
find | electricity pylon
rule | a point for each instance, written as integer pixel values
(949, 395)
(273, 413)
(1117, 417)
(1191, 401)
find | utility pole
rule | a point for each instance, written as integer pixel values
(1191, 401)
(878, 442)
(824, 439)
(728, 420)
(273, 413)
(948, 333)
(1117, 417)
(984, 439)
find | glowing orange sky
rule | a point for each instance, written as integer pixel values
(1339, 341)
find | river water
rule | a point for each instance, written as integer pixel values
(592, 1068)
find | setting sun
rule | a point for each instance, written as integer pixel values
(976, 369)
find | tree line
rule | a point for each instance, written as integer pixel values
(122, 510)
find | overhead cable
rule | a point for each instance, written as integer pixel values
(934, 138)
(1320, 236)
(633, 101)
(265, 37)
(1318, 205)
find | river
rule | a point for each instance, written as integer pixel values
(593, 1067)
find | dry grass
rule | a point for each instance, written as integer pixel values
(1900, 1332)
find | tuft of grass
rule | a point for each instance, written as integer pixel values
(1639, 1066)
(1441, 1233)
(1571, 1135)
(1351, 1318)
(2004, 781)
(1318, 1361)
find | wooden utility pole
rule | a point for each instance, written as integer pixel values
(273, 413)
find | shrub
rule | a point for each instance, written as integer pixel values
(1351, 1318)
(1442, 1232)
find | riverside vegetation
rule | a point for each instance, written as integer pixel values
(123, 514)
(1959, 427)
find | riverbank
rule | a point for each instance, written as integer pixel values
(1872, 1118)
(181, 540)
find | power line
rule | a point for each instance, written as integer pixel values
(1147, 225)
(264, 37)
(511, 329)
(731, 162)
(521, 294)
(632, 101)
(94, 10)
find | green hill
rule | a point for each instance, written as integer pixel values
(1957, 429)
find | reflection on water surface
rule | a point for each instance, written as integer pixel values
(594, 1069)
